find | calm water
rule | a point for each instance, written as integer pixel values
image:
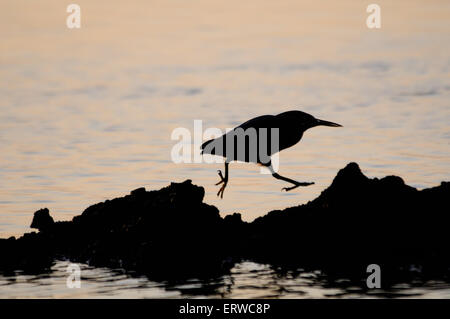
(246, 280)
(87, 114)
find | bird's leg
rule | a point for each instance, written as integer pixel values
(296, 184)
(223, 180)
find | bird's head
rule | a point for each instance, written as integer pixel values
(307, 121)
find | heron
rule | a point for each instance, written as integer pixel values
(288, 127)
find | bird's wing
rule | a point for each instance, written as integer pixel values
(263, 121)
(217, 146)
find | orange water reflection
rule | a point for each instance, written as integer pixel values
(87, 114)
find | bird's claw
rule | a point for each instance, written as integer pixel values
(222, 181)
(221, 190)
(287, 189)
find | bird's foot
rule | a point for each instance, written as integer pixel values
(287, 189)
(223, 181)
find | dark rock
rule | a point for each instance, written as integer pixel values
(138, 191)
(168, 233)
(357, 221)
(42, 220)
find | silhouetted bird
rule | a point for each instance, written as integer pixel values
(258, 134)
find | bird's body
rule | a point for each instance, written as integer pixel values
(261, 137)
(289, 133)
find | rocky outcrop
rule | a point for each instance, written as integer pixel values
(359, 221)
(42, 220)
(356, 221)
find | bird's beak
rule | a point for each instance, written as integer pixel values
(327, 123)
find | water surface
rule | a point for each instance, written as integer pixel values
(246, 280)
(87, 114)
